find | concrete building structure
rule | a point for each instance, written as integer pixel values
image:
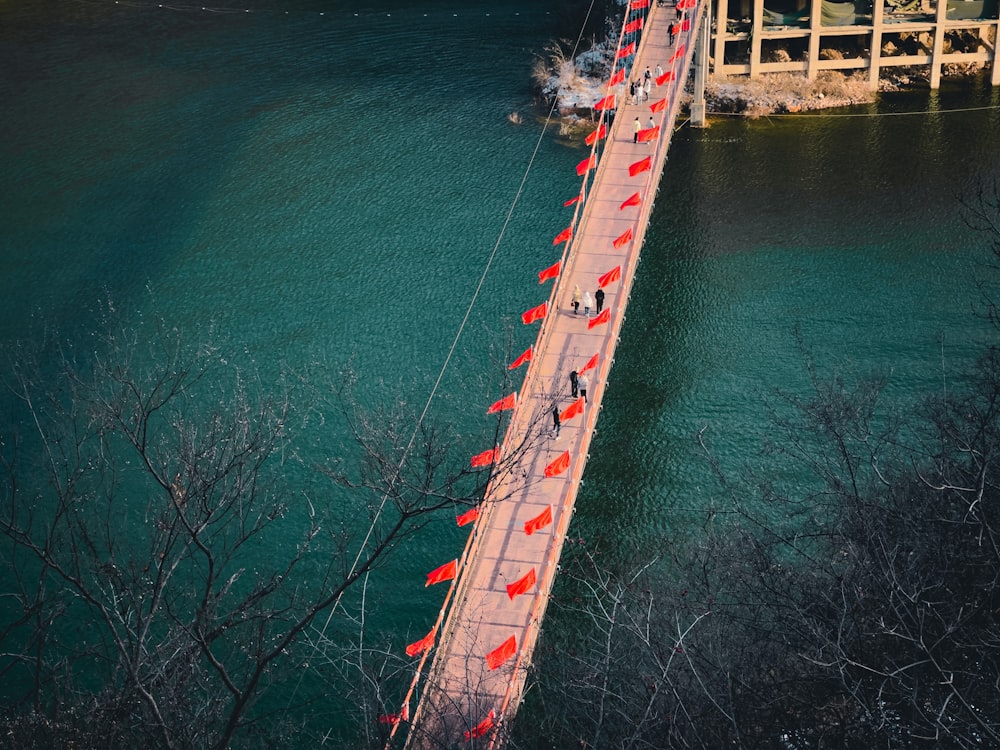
(751, 37)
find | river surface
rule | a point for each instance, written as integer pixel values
(323, 184)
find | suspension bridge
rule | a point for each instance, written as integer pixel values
(481, 648)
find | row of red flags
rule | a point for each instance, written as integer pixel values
(450, 570)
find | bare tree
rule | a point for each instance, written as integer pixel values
(170, 568)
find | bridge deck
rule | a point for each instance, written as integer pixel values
(461, 691)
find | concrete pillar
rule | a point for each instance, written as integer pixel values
(937, 49)
(815, 29)
(701, 48)
(756, 27)
(875, 58)
(719, 58)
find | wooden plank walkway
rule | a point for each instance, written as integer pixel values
(461, 691)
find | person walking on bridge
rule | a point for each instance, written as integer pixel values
(577, 298)
(574, 384)
(588, 302)
(599, 299)
(555, 419)
(636, 127)
(584, 384)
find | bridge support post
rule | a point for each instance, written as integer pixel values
(702, 53)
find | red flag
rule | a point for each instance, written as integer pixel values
(632, 200)
(501, 653)
(484, 459)
(566, 234)
(507, 402)
(591, 364)
(572, 410)
(617, 78)
(551, 272)
(604, 317)
(628, 49)
(525, 357)
(571, 201)
(468, 517)
(597, 134)
(418, 647)
(639, 166)
(535, 313)
(481, 728)
(394, 719)
(540, 521)
(521, 584)
(660, 105)
(607, 102)
(660, 80)
(686, 24)
(587, 164)
(613, 275)
(623, 238)
(558, 466)
(679, 52)
(637, 4)
(634, 26)
(648, 134)
(445, 573)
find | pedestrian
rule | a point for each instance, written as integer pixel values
(651, 123)
(577, 297)
(675, 29)
(631, 91)
(574, 384)
(635, 130)
(584, 383)
(599, 299)
(659, 71)
(648, 86)
(647, 75)
(555, 420)
(588, 302)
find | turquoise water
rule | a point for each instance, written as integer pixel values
(322, 184)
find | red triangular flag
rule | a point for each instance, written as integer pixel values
(445, 573)
(540, 521)
(660, 80)
(507, 402)
(481, 728)
(660, 105)
(623, 238)
(648, 134)
(679, 52)
(394, 719)
(613, 275)
(597, 134)
(588, 163)
(535, 313)
(628, 49)
(549, 273)
(566, 234)
(468, 517)
(640, 166)
(637, 4)
(571, 201)
(686, 24)
(591, 364)
(418, 647)
(501, 653)
(607, 102)
(634, 26)
(600, 319)
(484, 459)
(521, 584)
(572, 410)
(558, 466)
(633, 200)
(617, 78)
(525, 357)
